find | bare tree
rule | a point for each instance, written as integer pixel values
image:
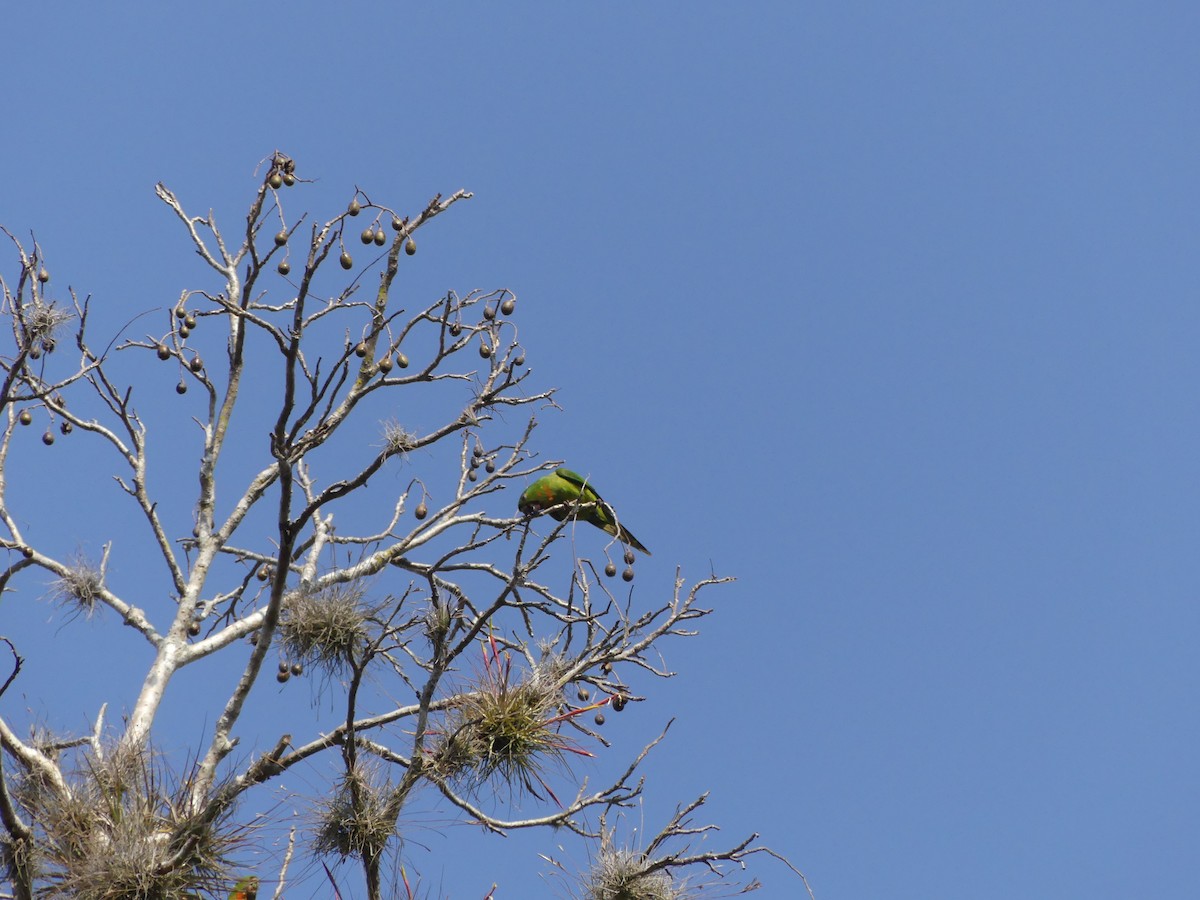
(460, 659)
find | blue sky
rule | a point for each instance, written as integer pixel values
(888, 310)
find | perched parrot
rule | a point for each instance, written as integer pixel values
(245, 889)
(567, 494)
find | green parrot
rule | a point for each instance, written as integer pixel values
(245, 889)
(565, 494)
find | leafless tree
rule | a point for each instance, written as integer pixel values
(503, 663)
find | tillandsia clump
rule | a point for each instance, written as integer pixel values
(357, 819)
(78, 586)
(123, 827)
(621, 874)
(506, 730)
(327, 629)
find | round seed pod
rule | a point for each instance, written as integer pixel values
(583, 694)
(43, 275)
(402, 360)
(599, 718)
(196, 364)
(619, 701)
(380, 237)
(284, 267)
(193, 628)
(181, 388)
(354, 208)
(410, 247)
(360, 349)
(384, 364)
(396, 224)
(297, 668)
(289, 179)
(26, 417)
(281, 677)
(275, 180)
(280, 240)
(368, 235)
(610, 570)
(48, 437)
(629, 557)
(163, 351)
(421, 511)
(627, 575)
(346, 260)
(508, 306)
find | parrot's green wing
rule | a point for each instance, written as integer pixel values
(245, 889)
(569, 486)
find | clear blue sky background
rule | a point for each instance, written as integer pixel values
(890, 310)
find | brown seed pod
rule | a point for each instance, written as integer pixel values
(27, 552)
(485, 349)
(368, 235)
(280, 240)
(25, 417)
(508, 306)
(629, 557)
(48, 437)
(380, 237)
(163, 351)
(275, 180)
(184, 331)
(281, 677)
(360, 349)
(284, 267)
(599, 718)
(410, 247)
(43, 275)
(583, 694)
(456, 329)
(402, 360)
(384, 364)
(181, 388)
(196, 364)
(289, 179)
(473, 475)
(606, 668)
(490, 466)
(346, 260)
(297, 668)
(627, 575)
(489, 313)
(519, 360)
(193, 628)
(396, 224)
(421, 511)
(66, 427)
(354, 208)
(264, 572)
(619, 701)
(610, 570)
(284, 665)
